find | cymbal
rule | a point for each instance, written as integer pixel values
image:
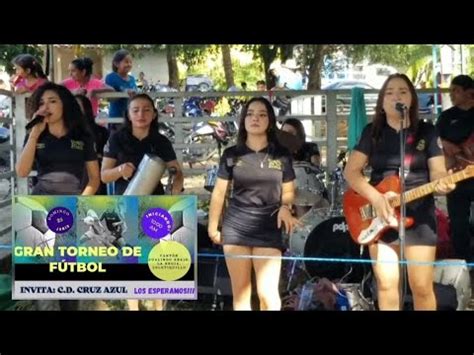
(289, 141)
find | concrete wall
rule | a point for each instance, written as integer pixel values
(65, 55)
(153, 64)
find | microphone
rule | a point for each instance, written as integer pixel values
(400, 107)
(37, 119)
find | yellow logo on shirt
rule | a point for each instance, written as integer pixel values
(421, 145)
(238, 162)
(274, 164)
(79, 145)
(40, 145)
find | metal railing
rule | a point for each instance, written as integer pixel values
(319, 107)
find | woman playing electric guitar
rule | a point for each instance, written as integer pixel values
(379, 147)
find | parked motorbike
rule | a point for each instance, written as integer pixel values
(4, 140)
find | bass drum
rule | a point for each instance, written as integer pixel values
(331, 239)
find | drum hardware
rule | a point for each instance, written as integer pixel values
(337, 187)
(324, 236)
(309, 221)
(310, 188)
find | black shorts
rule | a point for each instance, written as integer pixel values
(252, 227)
(423, 231)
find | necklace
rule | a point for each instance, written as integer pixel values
(263, 160)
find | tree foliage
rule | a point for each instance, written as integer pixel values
(10, 51)
(400, 56)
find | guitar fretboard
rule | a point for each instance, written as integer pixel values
(427, 189)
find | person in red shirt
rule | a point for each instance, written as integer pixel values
(29, 74)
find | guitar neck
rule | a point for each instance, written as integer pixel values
(427, 189)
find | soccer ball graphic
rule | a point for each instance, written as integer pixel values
(29, 224)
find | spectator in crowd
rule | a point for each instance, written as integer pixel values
(120, 80)
(261, 86)
(142, 83)
(29, 74)
(81, 82)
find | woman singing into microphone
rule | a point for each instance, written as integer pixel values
(62, 148)
(60, 144)
(379, 147)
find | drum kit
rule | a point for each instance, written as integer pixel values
(323, 232)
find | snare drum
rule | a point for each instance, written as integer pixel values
(309, 185)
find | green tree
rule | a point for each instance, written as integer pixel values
(401, 56)
(136, 50)
(10, 51)
(173, 72)
(227, 64)
(191, 55)
(267, 53)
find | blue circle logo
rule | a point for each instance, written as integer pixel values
(60, 220)
(157, 223)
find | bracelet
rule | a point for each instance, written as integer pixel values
(287, 207)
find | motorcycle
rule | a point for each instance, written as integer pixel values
(4, 153)
(214, 131)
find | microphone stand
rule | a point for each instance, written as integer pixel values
(401, 224)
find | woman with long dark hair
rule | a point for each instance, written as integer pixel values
(126, 148)
(379, 147)
(121, 81)
(309, 151)
(262, 179)
(29, 74)
(61, 145)
(81, 82)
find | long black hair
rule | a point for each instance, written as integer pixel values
(271, 129)
(298, 126)
(27, 61)
(101, 134)
(84, 63)
(380, 117)
(72, 115)
(118, 57)
(154, 122)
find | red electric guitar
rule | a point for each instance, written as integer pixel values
(365, 227)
